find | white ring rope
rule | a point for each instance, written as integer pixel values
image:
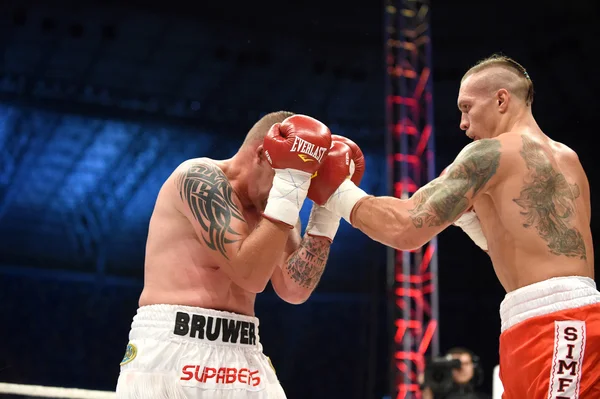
(54, 392)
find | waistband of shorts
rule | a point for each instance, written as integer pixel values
(193, 324)
(548, 296)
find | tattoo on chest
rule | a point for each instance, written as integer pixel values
(306, 266)
(548, 203)
(209, 196)
(444, 199)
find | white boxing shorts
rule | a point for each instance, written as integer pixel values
(193, 353)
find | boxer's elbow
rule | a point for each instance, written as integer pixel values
(296, 299)
(254, 287)
(287, 291)
(295, 296)
(251, 282)
(255, 283)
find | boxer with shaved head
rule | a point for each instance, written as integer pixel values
(525, 199)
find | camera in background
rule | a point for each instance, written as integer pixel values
(457, 375)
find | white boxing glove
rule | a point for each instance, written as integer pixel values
(469, 223)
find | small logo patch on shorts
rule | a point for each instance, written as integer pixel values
(130, 353)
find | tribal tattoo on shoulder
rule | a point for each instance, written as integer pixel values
(307, 264)
(548, 203)
(206, 190)
(444, 199)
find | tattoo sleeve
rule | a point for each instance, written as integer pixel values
(548, 203)
(305, 266)
(208, 194)
(445, 198)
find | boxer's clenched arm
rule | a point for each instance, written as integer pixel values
(409, 224)
(207, 201)
(300, 273)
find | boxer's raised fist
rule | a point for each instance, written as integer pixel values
(357, 157)
(295, 149)
(345, 160)
(299, 142)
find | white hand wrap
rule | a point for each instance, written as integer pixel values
(344, 198)
(469, 222)
(322, 222)
(287, 195)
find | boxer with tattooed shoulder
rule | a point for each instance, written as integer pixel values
(219, 232)
(525, 200)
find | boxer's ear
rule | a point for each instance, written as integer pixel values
(502, 98)
(260, 153)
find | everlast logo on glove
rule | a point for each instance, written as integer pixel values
(213, 328)
(308, 148)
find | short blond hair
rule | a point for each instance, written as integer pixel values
(258, 132)
(523, 87)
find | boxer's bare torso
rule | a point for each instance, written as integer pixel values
(179, 268)
(536, 215)
(530, 193)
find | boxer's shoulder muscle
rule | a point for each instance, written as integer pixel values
(478, 168)
(484, 163)
(444, 199)
(208, 201)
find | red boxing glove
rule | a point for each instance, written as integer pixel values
(344, 160)
(295, 149)
(345, 163)
(357, 156)
(299, 142)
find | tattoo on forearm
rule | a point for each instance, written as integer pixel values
(307, 264)
(548, 203)
(444, 199)
(208, 194)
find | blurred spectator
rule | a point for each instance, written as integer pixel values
(454, 376)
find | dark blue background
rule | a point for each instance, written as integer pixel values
(100, 101)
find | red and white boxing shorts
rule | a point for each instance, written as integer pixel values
(181, 352)
(550, 341)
